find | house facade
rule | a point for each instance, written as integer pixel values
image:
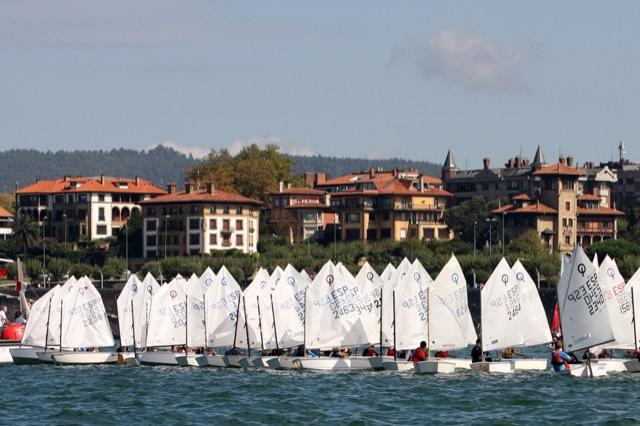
(6, 223)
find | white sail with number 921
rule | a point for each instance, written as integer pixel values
(582, 305)
(336, 312)
(223, 299)
(168, 314)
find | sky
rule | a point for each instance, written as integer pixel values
(372, 79)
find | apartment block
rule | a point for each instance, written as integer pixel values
(6, 224)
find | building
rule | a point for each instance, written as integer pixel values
(75, 208)
(6, 224)
(394, 205)
(299, 213)
(198, 221)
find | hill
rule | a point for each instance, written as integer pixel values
(160, 164)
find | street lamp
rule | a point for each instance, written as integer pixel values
(490, 221)
(475, 226)
(166, 220)
(64, 217)
(44, 250)
(503, 214)
(126, 246)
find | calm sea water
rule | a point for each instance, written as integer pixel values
(47, 394)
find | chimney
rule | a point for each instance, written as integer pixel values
(137, 180)
(327, 199)
(570, 161)
(280, 186)
(101, 179)
(321, 177)
(486, 163)
(171, 188)
(66, 178)
(210, 188)
(371, 173)
(288, 185)
(188, 186)
(421, 183)
(561, 160)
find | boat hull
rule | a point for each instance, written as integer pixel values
(460, 363)
(285, 363)
(578, 370)
(234, 361)
(496, 367)
(84, 358)
(632, 365)
(25, 355)
(533, 364)
(399, 365)
(45, 356)
(333, 364)
(435, 367)
(191, 360)
(157, 358)
(217, 361)
(263, 361)
(127, 358)
(614, 365)
(376, 361)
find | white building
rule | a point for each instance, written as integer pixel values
(6, 224)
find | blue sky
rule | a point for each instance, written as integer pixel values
(367, 79)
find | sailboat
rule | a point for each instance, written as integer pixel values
(537, 331)
(336, 316)
(584, 316)
(85, 325)
(53, 330)
(501, 321)
(449, 322)
(633, 365)
(195, 334)
(133, 315)
(221, 311)
(167, 324)
(410, 311)
(387, 316)
(36, 332)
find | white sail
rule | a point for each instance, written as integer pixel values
(255, 318)
(582, 305)
(35, 332)
(288, 303)
(618, 296)
(167, 315)
(84, 319)
(411, 307)
(387, 300)
(537, 332)
(336, 312)
(502, 322)
(304, 276)
(451, 324)
(56, 311)
(565, 262)
(223, 300)
(136, 295)
(595, 261)
(634, 287)
(195, 290)
(371, 286)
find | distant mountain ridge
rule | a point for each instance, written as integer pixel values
(160, 165)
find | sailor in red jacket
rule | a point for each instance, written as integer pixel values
(420, 354)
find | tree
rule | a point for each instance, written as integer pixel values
(528, 243)
(461, 219)
(217, 168)
(7, 202)
(25, 230)
(134, 232)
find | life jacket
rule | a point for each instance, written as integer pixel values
(556, 359)
(419, 355)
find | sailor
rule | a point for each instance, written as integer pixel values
(559, 358)
(19, 318)
(3, 316)
(508, 353)
(420, 354)
(476, 352)
(391, 352)
(442, 354)
(369, 351)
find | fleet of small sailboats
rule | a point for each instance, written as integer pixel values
(285, 320)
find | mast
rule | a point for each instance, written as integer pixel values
(146, 331)
(246, 326)
(428, 323)
(395, 355)
(61, 325)
(133, 328)
(46, 336)
(260, 323)
(206, 336)
(304, 324)
(635, 324)
(235, 333)
(275, 329)
(381, 322)
(186, 323)
(481, 331)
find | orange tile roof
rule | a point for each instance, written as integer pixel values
(308, 206)
(588, 197)
(4, 212)
(91, 184)
(605, 211)
(298, 191)
(522, 197)
(559, 169)
(535, 208)
(202, 195)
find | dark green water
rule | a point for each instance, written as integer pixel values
(46, 394)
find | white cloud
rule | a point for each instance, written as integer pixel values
(196, 152)
(470, 61)
(262, 141)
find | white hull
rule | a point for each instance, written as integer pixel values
(217, 361)
(157, 358)
(45, 357)
(500, 367)
(78, 358)
(285, 363)
(376, 361)
(632, 365)
(25, 355)
(398, 365)
(191, 360)
(248, 361)
(5, 354)
(530, 364)
(578, 370)
(234, 360)
(460, 363)
(127, 358)
(614, 365)
(435, 366)
(263, 361)
(334, 364)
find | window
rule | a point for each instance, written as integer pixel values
(239, 225)
(372, 217)
(194, 239)
(101, 197)
(353, 218)
(101, 214)
(225, 209)
(239, 210)
(176, 240)
(212, 209)
(59, 199)
(567, 206)
(152, 225)
(570, 222)
(82, 214)
(213, 224)
(403, 234)
(385, 233)
(225, 225)
(151, 240)
(385, 216)
(213, 239)
(101, 230)
(194, 223)
(567, 240)
(82, 198)
(564, 221)
(195, 209)
(239, 239)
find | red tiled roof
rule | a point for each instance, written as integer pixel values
(535, 208)
(588, 197)
(559, 169)
(4, 212)
(605, 211)
(298, 191)
(201, 195)
(91, 184)
(522, 197)
(308, 206)
(376, 176)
